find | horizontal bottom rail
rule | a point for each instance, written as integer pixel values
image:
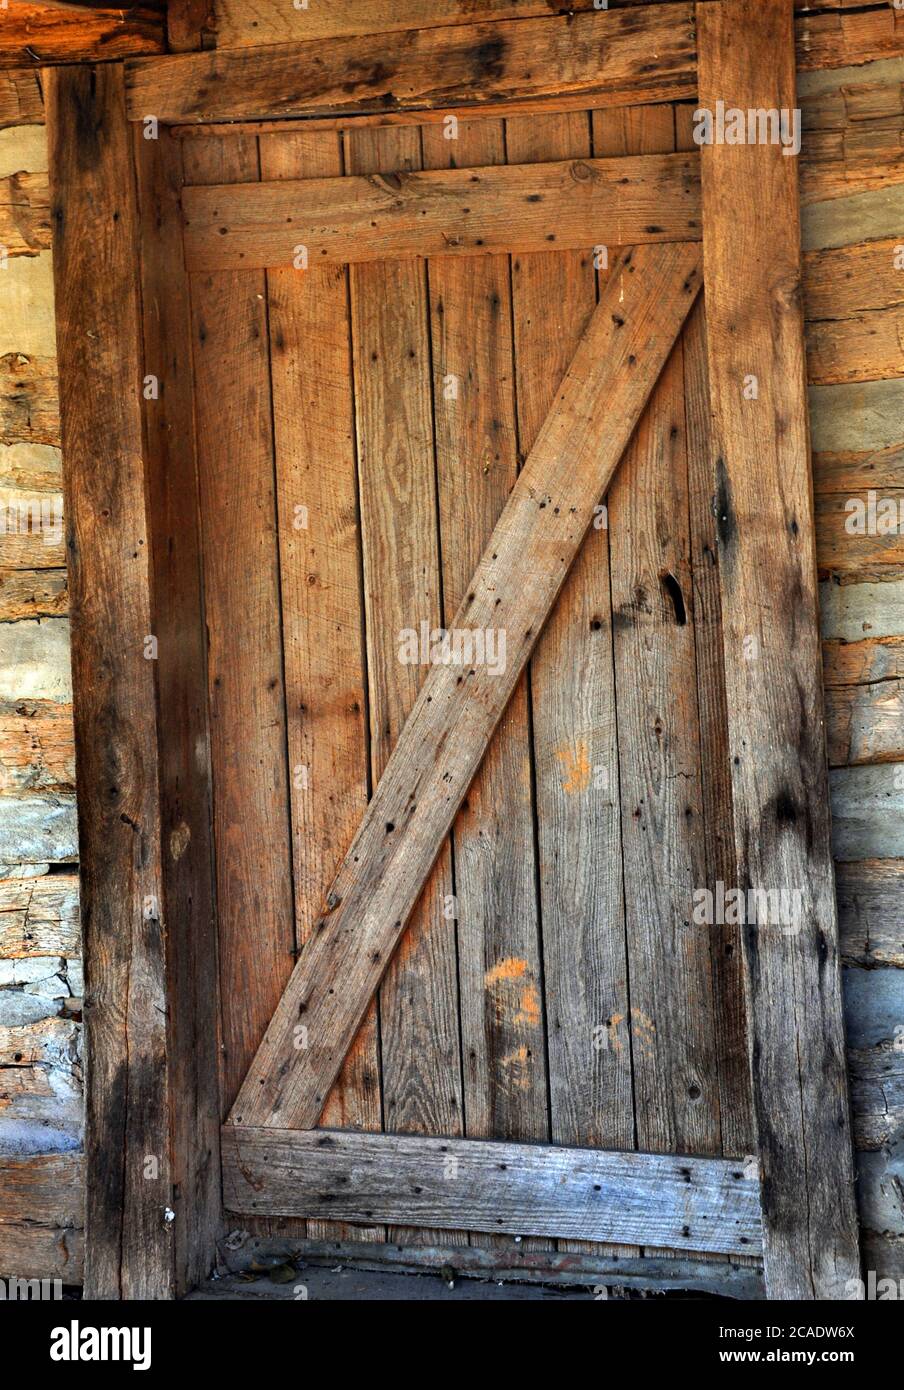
(699, 1204)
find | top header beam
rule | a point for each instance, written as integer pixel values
(594, 58)
(607, 58)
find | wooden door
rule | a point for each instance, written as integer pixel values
(509, 756)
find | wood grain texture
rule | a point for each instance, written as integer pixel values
(519, 577)
(249, 23)
(21, 101)
(129, 1250)
(865, 723)
(676, 1074)
(32, 35)
(42, 1216)
(871, 911)
(37, 747)
(418, 999)
(573, 719)
(863, 663)
(185, 791)
(845, 281)
(29, 399)
(39, 916)
(767, 574)
(30, 594)
(594, 57)
(524, 1189)
(500, 968)
(320, 580)
(255, 907)
(24, 213)
(866, 804)
(730, 1015)
(865, 347)
(464, 211)
(837, 39)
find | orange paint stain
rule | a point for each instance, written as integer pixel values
(576, 764)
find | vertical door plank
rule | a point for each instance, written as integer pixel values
(320, 583)
(736, 1102)
(128, 1248)
(418, 999)
(500, 974)
(672, 1020)
(245, 667)
(772, 670)
(185, 774)
(573, 705)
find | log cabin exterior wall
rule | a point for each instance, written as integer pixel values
(853, 221)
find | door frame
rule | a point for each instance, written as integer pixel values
(139, 662)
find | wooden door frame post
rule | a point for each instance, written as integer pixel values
(152, 1104)
(767, 568)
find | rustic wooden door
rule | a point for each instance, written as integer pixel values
(508, 761)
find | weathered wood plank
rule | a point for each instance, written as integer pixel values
(853, 532)
(672, 1026)
(574, 732)
(730, 1020)
(171, 471)
(834, 98)
(847, 469)
(836, 39)
(871, 911)
(598, 57)
(37, 747)
(863, 663)
(244, 659)
(523, 1189)
(24, 213)
(842, 282)
(865, 347)
(418, 1000)
(249, 23)
(460, 703)
(500, 959)
(464, 211)
(767, 575)
(129, 1251)
(29, 400)
(864, 158)
(865, 723)
(39, 916)
(33, 35)
(320, 562)
(42, 1216)
(868, 812)
(855, 612)
(21, 102)
(33, 594)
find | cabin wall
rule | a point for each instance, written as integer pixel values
(853, 195)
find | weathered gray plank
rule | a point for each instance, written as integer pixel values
(524, 1189)
(38, 829)
(871, 911)
(851, 612)
(868, 812)
(772, 659)
(459, 704)
(678, 1271)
